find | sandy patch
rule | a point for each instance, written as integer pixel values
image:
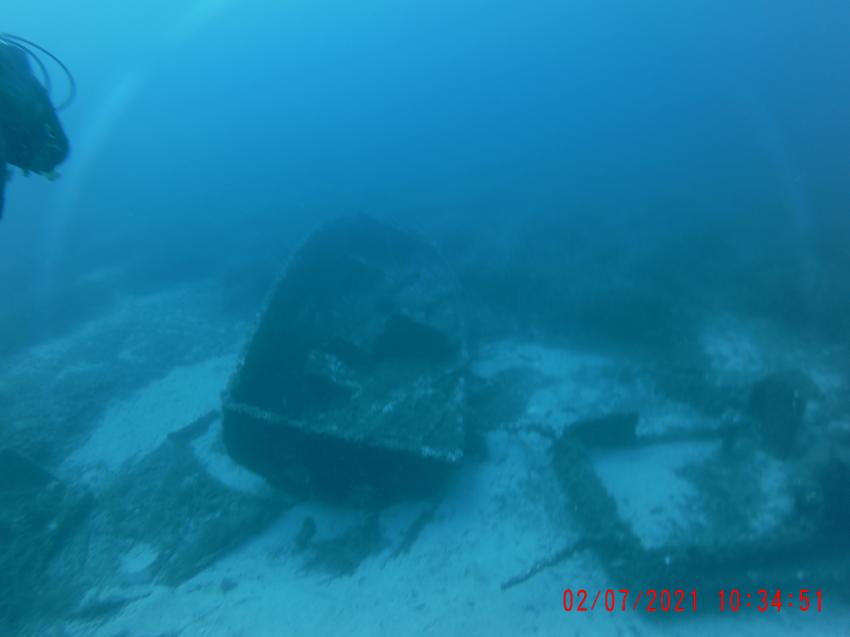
(135, 426)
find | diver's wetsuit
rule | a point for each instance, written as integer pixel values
(31, 136)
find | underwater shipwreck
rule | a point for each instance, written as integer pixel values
(353, 387)
(353, 379)
(353, 383)
(359, 386)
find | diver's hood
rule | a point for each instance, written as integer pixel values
(31, 136)
(53, 149)
(34, 139)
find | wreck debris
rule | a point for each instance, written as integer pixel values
(777, 407)
(810, 546)
(352, 384)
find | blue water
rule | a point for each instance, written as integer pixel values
(228, 124)
(592, 169)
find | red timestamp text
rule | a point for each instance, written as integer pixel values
(612, 600)
(763, 600)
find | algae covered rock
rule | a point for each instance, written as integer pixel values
(352, 384)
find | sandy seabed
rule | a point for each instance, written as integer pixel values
(501, 514)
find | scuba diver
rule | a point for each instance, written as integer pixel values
(31, 136)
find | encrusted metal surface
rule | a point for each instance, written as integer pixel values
(360, 350)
